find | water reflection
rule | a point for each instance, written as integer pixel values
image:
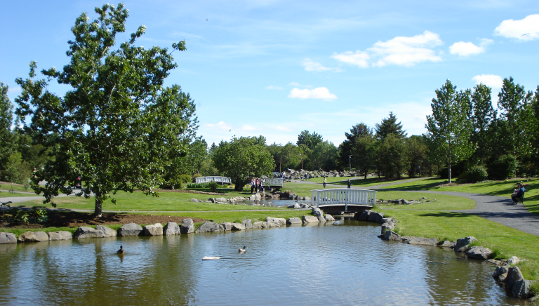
(343, 263)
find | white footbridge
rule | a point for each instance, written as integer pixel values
(343, 199)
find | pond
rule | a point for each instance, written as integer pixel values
(340, 264)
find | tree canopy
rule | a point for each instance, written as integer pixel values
(118, 126)
(243, 158)
(6, 118)
(449, 127)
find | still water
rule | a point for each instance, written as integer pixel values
(340, 264)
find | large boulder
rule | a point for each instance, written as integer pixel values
(7, 238)
(130, 229)
(172, 228)
(237, 226)
(61, 235)
(247, 223)
(390, 236)
(227, 226)
(278, 221)
(294, 220)
(221, 200)
(513, 276)
(208, 227)
(500, 274)
(477, 252)
(33, 237)
(310, 219)
(420, 240)
(155, 229)
(464, 243)
(329, 218)
(317, 212)
(107, 231)
(376, 217)
(260, 224)
(521, 289)
(363, 216)
(188, 226)
(84, 232)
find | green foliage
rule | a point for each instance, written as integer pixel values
(324, 156)
(389, 126)
(213, 186)
(17, 170)
(117, 126)
(6, 119)
(285, 157)
(473, 175)
(308, 139)
(17, 216)
(449, 127)
(391, 156)
(503, 167)
(243, 158)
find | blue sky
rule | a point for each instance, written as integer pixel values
(276, 68)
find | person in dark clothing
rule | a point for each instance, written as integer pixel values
(519, 193)
(349, 183)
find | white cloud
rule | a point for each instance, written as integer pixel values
(401, 51)
(317, 93)
(271, 87)
(462, 48)
(357, 58)
(524, 29)
(491, 80)
(220, 126)
(314, 66)
(247, 128)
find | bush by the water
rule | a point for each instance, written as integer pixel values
(473, 175)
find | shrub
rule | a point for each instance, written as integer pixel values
(213, 186)
(474, 174)
(503, 167)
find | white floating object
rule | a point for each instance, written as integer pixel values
(210, 258)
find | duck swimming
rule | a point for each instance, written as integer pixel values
(121, 250)
(242, 250)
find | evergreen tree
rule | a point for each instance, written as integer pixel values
(389, 126)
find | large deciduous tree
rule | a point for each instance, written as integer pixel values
(243, 158)
(449, 127)
(117, 127)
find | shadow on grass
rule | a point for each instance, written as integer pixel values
(361, 181)
(434, 183)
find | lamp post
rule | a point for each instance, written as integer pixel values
(349, 163)
(301, 161)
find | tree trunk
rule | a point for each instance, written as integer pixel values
(98, 206)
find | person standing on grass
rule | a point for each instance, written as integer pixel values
(325, 182)
(349, 183)
(252, 185)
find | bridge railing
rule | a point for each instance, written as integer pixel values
(343, 196)
(217, 179)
